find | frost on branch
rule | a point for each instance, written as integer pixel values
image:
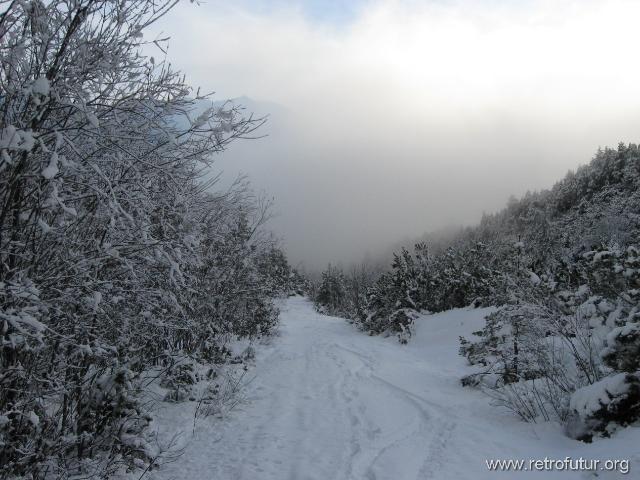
(117, 256)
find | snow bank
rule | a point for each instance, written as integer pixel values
(592, 398)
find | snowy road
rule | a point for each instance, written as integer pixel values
(329, 403)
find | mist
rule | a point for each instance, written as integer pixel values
(393, 118)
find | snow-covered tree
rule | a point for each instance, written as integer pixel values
(116, 254)
(331, 296)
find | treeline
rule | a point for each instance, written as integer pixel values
(116, 254)
(563, 268)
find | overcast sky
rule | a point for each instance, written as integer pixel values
(391, 118)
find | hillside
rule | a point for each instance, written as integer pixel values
(563, 265)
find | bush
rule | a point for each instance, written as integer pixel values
(622, 352)
(601, 407)
(115, 251)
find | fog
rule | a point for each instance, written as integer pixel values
(393, 118)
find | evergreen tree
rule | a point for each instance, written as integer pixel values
(331, 296)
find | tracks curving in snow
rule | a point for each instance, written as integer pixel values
(329, 403)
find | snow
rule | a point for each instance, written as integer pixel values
(24, 318)
(41, 86)
(12, 138)
(34, 419)
(9, 137)
(28, 141)
(619, 336)
(92, 119)
(626, 330)
(588, 400)
(599, 256)
(5, 156)
(44, 226)
(202, 118)
(329, 402)
(52, 169)
(534, 279)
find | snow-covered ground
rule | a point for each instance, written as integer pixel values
(329, 403)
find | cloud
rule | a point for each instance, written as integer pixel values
(415, 115)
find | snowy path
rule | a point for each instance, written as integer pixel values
(329, 403)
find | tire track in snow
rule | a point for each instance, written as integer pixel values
(318, 410)
(329, 403)
(430, 427)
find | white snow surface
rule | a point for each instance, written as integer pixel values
(328, 402)
(41, 85)
(592, 398)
